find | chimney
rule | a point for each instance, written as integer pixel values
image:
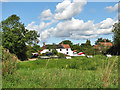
(62, 43)
(43, 43)
(104, 40)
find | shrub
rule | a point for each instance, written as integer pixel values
(44, 54)
(61, 55)
(73, 65)
(54, 52)
(8, 62)
(29, 54)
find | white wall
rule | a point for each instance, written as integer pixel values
(44, 51)
(64, 51)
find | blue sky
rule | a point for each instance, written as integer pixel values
(91, 11)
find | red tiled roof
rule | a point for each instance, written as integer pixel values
(66, 46)
(103, 43)
(96, 46)
(106, 43)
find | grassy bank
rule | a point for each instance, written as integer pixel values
(78, 72)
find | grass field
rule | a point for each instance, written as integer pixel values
(78, 72)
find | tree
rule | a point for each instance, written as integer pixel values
(116, 31)
(54, 52)
(90, 51)
(115, 49)
(88, 42)
(76, 47)
(87, 48)
(102, 40)
(15, 36)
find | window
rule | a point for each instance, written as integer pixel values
(67, 52)
(60, 49)
(67, 49)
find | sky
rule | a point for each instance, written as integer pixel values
(67, 20)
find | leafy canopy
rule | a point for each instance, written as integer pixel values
(15, 37)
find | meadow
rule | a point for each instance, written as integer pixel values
(78, 72)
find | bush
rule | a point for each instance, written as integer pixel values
(54, 52)
(73, 65)
(29, 54)
(8, 62)
(61, 55)
(44, 54)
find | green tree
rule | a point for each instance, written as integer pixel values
(116, 31)
(54, 52)
(15, 36)
(87, 48)
(115, 49)
(88, 42)
(76, 47)
(102, 40)
(90, 51)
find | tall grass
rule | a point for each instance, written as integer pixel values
(79, 72)
(108, 73)
(8, 63)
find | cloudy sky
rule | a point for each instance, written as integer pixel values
(67, 20)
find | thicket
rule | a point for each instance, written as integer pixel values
(9, 63)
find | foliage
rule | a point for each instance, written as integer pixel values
(53, 46)
(76, 47)
(114, 50)
(32, 49)
(9, 62)
(102, 40)
(87, 44)
(116, 31)
(90, 51)
(87, 48)
(61, 55)
(78, 72)
(54, 52)
(44, 54)
(15, 36)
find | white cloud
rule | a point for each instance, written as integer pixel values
(3, 0)
(112, 9)
(46, 34)
(46, 15)
(70, 27)
(42, 26)
(78, 29)
(105, 23)
(68, 9)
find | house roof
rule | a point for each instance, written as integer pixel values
(55, 46)
(95, 46)
(106, 43)
(103, 43)
(66, 45)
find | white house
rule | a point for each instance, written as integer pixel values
(61, 48)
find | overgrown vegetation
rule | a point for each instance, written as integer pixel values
(78, 72)
(9, 62)
(114, 50)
